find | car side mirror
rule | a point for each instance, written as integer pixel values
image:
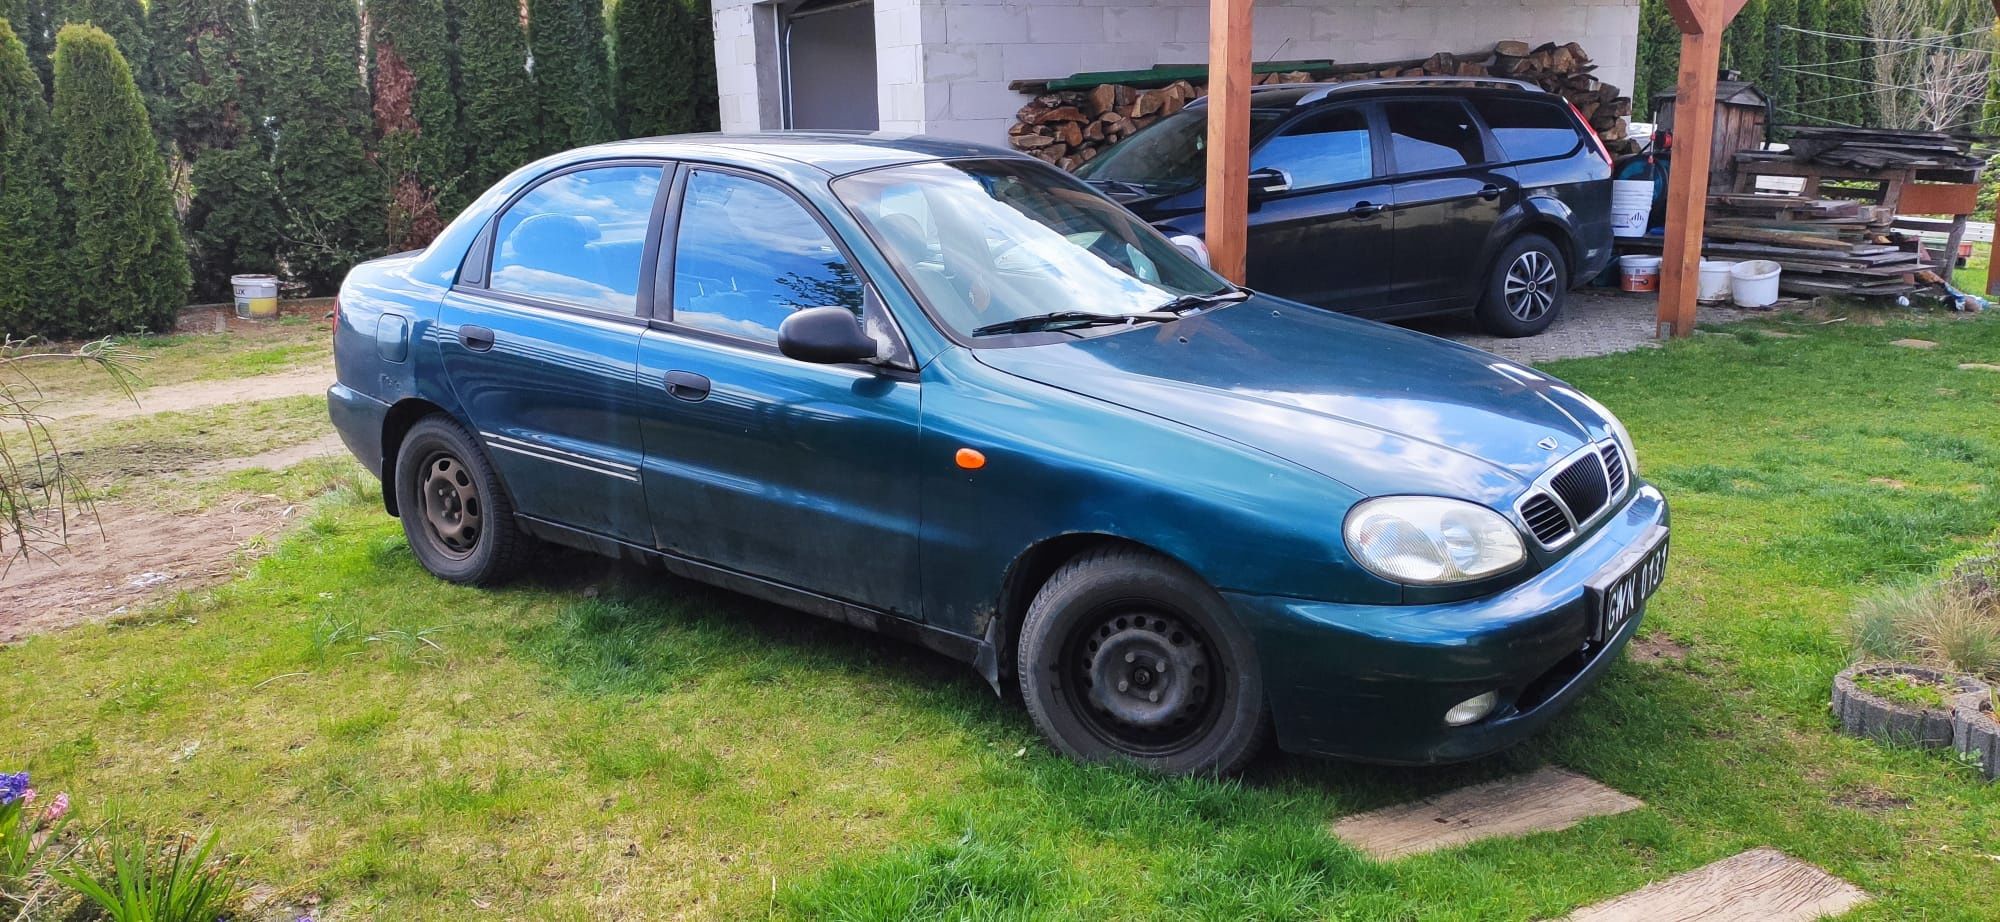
(825, 336)
(1269, 181)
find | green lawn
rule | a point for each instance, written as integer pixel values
(599, 743)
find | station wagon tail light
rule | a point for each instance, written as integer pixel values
(1595, 138)
(1431, 540)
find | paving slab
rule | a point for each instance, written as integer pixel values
(1978, 366)
(1545, 800)
(1594, 322)
(1913, 343)
(1760, 885)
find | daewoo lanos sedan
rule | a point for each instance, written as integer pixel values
(950, 393)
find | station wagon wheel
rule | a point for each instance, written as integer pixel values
(1127, 656)
(1527, 287)
(456, 514)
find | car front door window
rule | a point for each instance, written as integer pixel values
(1324, 149)
(748, 255)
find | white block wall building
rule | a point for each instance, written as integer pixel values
(941, 67)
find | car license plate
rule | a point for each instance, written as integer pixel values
(1618, 592)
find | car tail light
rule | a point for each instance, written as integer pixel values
(1595, 138)
(336, 312)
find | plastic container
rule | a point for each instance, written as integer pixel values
(1754, 283)
(256, 296)
(1714, 287)
(1631, 205)
(1639, 273)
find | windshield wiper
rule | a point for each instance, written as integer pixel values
(1068, 320)
(1185, 303)
(1121, 185)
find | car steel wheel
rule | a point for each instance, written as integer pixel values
(1530, 288)
(1143, 680)
(452, 514)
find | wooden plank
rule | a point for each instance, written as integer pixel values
(1940, 198)
(1760, 885)
(1228, 192)
(1545, 800)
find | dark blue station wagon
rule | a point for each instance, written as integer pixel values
(949, 393)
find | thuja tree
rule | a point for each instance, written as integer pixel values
(334, 196)
(496, 97)
(123, 20)
(416, 116)
(33, 22)
(31, 225)
(205, 110)
(572, 83)
(129, 267)
(665, 77)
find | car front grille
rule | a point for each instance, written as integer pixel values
(1565, 502)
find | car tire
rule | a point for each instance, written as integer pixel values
(1189, 694)
(456, 513)
(1527, 289)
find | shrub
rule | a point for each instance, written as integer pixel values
(334, 195)
(129, 266)
(31, 223)
(123, 20)
(496, 95)
(666, 67)
(572, 85)
(416, 115)
(33, 23)
(1951, 624)
(233, 218)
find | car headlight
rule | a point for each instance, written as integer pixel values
(1617, 428)
(1430, 540)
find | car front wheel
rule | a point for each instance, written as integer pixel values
(1529, 284)
(1126, 656)
(455, 512)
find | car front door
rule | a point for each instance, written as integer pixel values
(1325, 239)
(540, 342)
(1449, 194)
(794, 472)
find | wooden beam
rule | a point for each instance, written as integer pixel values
(1687, 185)
(1228, 182)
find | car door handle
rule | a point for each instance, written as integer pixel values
(476, 338)
(688, 386)
(1365, 209)
(1490, 192)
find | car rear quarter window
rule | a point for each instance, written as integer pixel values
(747, 255)
(1432, 134)
(578, 239)
(1529, 129)
(1323, 149)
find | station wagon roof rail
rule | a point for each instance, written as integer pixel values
(1314, 92)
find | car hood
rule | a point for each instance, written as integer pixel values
(1381, 409)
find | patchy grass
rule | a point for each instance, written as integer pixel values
(284, 344)
(598, 742)
(1904, 689)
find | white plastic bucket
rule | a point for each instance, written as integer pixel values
(256, 295)
(1754, 283)
(1639, 273)
(1631, 205)
(1714, 287)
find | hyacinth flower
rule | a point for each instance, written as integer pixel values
(12, 787)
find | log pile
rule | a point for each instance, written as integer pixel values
(1070, 127)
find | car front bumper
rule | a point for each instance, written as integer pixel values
(1372, 682)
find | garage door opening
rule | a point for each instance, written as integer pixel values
(830, 65)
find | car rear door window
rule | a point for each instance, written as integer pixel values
(578, 239)
(748, 255)
(1529, 129)
(1323, 149)
(1432, 134)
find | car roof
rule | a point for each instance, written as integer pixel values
(835, 153)
(1294, 95)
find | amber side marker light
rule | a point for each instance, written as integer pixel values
(970, 459)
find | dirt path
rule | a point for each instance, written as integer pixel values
(196, 395)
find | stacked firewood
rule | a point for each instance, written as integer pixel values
(1070, 127)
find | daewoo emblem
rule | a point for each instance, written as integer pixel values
(1546, 444)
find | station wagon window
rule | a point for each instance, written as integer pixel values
(1528, 129)
(578, 239)
(748, 255)
(1323, 149)
(1432, 134)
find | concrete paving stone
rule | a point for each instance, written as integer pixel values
(1760, 885)
(1544, 800)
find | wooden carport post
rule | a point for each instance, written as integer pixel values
(1228, 181)
(1701, 23)
(1992, 248)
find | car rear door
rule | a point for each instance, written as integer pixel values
(1450, 191)
(540, 342)
(789, 471)
(1325, 239)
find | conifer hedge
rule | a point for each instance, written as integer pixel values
(496, 96)
(416, 116)
(656, 92)
(32, 231)
(128, 264)
(335, 198)
(572, 80)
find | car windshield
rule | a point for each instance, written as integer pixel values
(989, 246)
(1168, 157)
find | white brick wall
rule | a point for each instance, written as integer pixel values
(943, 65)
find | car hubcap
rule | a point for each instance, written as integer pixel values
(1146, 681)
(451, 505)
(1531, 286)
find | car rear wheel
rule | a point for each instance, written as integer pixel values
(1529, 285)
(456, 515)
(1125, 656)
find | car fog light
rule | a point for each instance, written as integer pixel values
(1471, 710)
